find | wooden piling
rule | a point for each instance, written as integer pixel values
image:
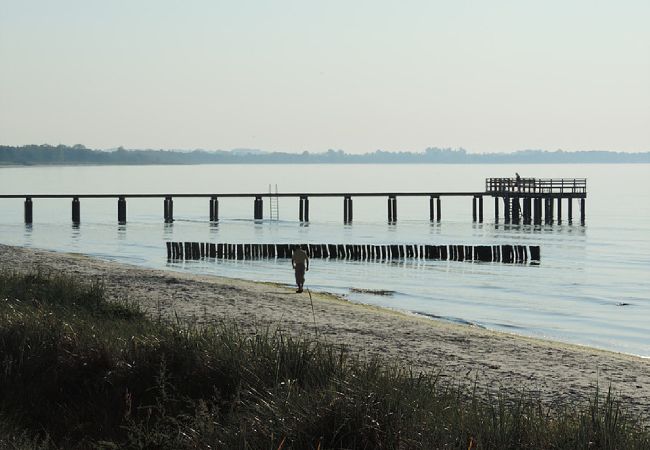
(483, 253)
(438, 209)
(559, 210)
(121, 210)
(537, 204)
(169, 210)
(473, 209)
(347, 209)
(169, 250)
(76, 210)
(516, 209)
(506, 254)
(214, 209)
(534, 253)
(392, 209)
(496, 209)
(480, 209)
(526, 214)
(303, 208)
(29, 216)
(506, 209)
(548, 218)
(460, 252)
(431, 209)
(258, 211)
(582, 211)
(570, 210)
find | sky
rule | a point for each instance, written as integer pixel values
(309, 75)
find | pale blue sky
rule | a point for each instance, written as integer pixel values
(306, 75)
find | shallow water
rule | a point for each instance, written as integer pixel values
(591, 288)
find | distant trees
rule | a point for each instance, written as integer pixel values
(78, 154)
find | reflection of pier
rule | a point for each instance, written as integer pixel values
(522, 199)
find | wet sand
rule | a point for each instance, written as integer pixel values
(559, 373)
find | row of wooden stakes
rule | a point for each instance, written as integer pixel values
(518, 254)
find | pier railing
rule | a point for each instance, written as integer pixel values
(536, 185)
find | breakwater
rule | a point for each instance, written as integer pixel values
(504, 253)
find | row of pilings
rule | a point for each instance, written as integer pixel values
(526, 210)
(505, 253)
(537, 210)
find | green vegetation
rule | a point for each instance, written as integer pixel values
(77, 371)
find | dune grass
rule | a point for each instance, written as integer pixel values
(77, 371)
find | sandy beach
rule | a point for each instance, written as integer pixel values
(560, 373)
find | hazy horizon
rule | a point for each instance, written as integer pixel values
(304, 76)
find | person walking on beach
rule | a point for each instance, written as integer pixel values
(300, 264)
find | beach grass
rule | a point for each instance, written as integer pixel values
(78, 371)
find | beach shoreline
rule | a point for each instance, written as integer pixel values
(559, 373)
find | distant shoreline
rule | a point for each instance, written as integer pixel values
(4, 165)
(61, 155)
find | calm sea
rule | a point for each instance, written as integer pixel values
(592, 286)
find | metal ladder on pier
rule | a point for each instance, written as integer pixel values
(274, 204)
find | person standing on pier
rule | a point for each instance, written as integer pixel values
(300, 264)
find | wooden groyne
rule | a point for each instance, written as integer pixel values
(525, 200)
(505, 253)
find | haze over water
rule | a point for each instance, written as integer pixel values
(591, 287)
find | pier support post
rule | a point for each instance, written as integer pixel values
(306, 202)
(582, 211)
(29, 217)
(438, 209)
(258, 213)
(432, 209)
(304, 209)
(169, 210)
(559, 210)
(347, 209)
(537, 206)
(121, 210)
(570, 210)
(515, 210)
(76, 210)
(473, 209)
(214, 209)
(496, 209)
(506, 209)
(527, 202)
(546, 210)
(480, 209)
(392, 209)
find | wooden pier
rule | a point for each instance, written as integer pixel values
(522, 200)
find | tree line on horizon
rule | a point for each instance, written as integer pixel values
(78, 154)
